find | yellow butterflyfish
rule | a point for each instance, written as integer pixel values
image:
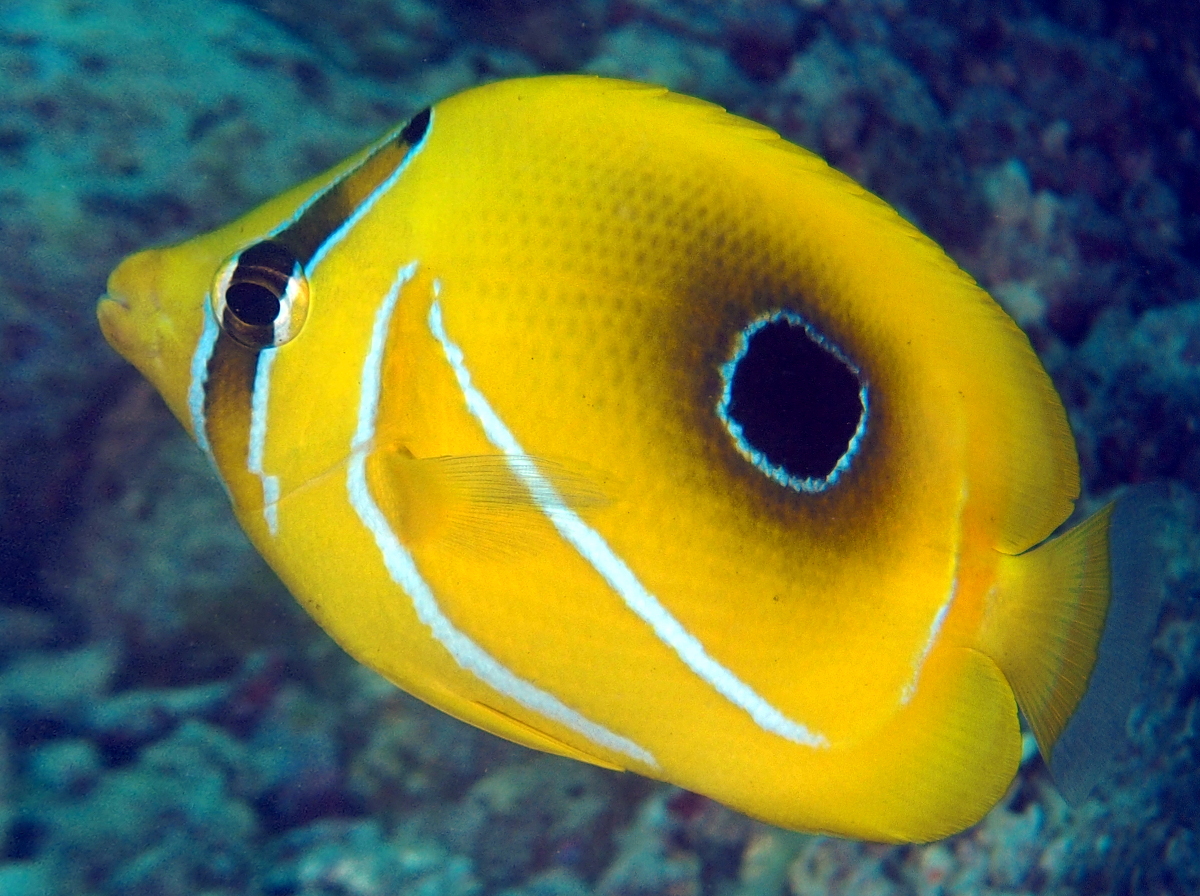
(620, 427)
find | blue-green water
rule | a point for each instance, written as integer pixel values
(170, 723)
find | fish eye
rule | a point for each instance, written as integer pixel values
(795, 406)
(260, 296)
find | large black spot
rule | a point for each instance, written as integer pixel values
(798, 404)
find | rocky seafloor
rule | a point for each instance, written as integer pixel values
(172, 723)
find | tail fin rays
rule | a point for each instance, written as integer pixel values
(1136, 567)
(1070, 625)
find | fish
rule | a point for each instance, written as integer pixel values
(620, 427)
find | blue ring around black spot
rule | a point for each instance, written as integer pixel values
(794, 404)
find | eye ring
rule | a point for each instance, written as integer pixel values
(260, 296)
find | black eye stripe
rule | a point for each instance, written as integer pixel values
(269, 254)
(415, 130)
(330, 210)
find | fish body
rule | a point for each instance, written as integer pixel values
(618, 426)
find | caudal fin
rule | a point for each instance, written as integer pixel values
(1071, 626)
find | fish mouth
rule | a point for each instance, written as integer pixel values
(115, 297)
(116, 322)
(130, 310)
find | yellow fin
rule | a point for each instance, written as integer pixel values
(962, 746)
(1092, 591)
(490, 504)
(1136, 569)
(1040, 470)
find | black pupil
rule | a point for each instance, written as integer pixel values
(252, 303)
(798, 404)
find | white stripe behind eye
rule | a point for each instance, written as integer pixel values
(197, 386)
(593, 548)
(259, 403)
(403, 569)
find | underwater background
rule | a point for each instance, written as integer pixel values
(172, 723)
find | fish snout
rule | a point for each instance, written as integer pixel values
(112, 310)
(130, 311)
